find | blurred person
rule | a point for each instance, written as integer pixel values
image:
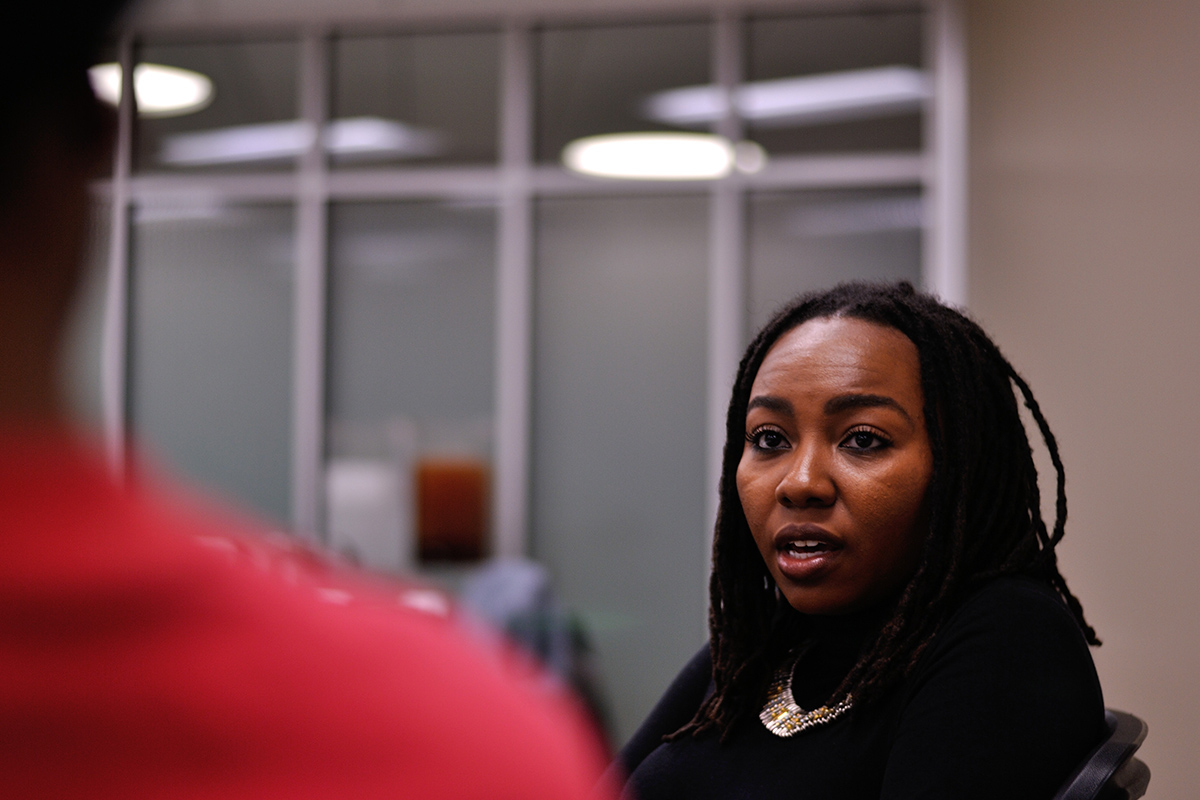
(887, 615)
(149, 650)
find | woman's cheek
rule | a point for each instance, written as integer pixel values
(891, 502)
(756, 491)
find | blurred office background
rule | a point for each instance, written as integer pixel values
(336, 330)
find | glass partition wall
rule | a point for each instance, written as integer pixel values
(354, 288)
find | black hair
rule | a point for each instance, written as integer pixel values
(985, 515)
(46, 47)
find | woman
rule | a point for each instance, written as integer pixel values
(888, 619)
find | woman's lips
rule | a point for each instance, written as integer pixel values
(805, 552)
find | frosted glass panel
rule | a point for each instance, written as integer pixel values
(251, 120)
(412, 299)
(599, 80)
(211, 352)
(419, 98)
(618, 431)
(802, 241)
(804, 63)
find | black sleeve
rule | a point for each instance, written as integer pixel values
(674, 710)
(1005, 704)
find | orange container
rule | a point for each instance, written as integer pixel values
(452, 508)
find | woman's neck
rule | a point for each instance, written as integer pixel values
(831, 646)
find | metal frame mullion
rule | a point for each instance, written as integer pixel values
(251, 187)
(514, 297)
(945, 245)
(114, 348)
(309, 312)
(726, 282)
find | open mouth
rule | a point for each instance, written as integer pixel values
(807, 548)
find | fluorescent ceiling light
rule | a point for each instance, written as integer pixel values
(372, 136)
(161, 91)
(651, 156)
(237, 144)
(807, 100)
(273, 141)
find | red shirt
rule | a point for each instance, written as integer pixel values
(139, 657)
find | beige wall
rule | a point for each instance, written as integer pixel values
(1085, 265)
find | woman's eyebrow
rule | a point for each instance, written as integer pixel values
(770, 403)
(846, 402)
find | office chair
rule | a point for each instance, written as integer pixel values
(1110, 772)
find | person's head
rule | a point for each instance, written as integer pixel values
(836, 464)
(54, 135)
(875, 461)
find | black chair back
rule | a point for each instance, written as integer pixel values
(1111, 772)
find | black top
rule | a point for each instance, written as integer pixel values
(1004, 703)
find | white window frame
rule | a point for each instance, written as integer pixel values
(514, 184)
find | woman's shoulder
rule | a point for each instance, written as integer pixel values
(1003, 703)
(1016, 605)
(1014, 632)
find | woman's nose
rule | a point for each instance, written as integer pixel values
(807, 481)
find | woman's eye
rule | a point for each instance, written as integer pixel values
(767, 439)
(864, 440)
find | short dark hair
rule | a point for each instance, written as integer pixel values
(50, 46)
(985, 506)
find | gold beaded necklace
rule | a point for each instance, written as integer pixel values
(783, 717)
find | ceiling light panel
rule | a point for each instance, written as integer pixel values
(651, 156)
(160, 90)
(805, 100)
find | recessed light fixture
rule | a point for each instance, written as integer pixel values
(803, 100)
(658, 156)
(161, 91)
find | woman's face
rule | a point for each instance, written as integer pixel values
(837, 463)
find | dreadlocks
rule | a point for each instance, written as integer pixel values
(985, 507)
